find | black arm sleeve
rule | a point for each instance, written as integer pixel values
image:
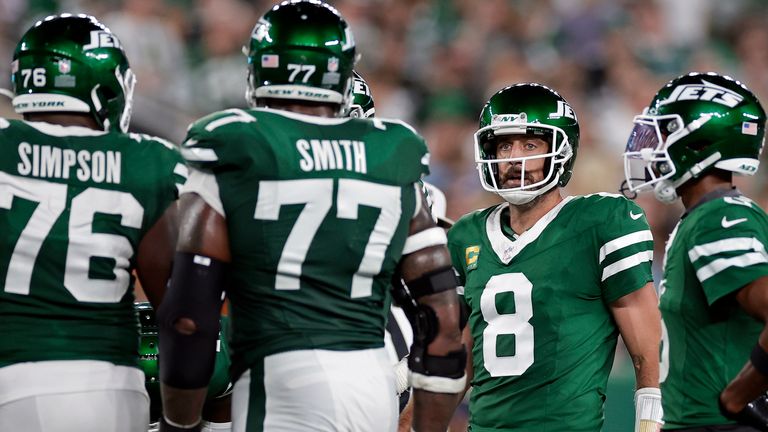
(195, 292)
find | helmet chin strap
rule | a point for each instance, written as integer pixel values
(520, 197)
(666, 191)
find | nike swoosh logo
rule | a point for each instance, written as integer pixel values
(729, 223)
(635, 216)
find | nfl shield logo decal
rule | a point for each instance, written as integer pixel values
(65, 66)
(333, 64)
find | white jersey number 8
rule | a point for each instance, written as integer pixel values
(508, 324)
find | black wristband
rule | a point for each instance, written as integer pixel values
(759, 359)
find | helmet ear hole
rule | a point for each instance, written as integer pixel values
(489, 143)
(107, 93)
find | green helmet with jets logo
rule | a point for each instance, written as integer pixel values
(527, 109)
(73, 63)
(362, 99)
(695, 123)
(301, 50)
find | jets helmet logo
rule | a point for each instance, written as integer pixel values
(261, 30)
(563, 110)
(101, 39)
(706, 91)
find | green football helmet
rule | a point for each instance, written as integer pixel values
(301, 50)
(148, 354)
(362, 99)
(527, 109)
(73, 63)
(695, 123)
(219, 385)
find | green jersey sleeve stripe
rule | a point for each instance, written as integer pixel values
(726, 245)
(721, 264)
(627, 263)
(199, 154)
(624, 241)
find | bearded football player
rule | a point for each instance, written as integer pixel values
(550, 281)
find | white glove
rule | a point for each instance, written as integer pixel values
(648, 411)
(402, 376)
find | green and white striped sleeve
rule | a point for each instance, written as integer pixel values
(727, 259)
(625, 252)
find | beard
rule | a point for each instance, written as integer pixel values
(511, 177)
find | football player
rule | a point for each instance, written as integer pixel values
(698, 131)
(216, 412)
(550, 281)
(306, 216)
(82, 204)
(399, 332)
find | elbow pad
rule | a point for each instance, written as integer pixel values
(433, 282)
(186, 360)
(755, 414)
(439, 374)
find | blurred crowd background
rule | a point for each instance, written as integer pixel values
(433, 63)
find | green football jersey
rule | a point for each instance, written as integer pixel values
(317, 211)
(544, 337)
(74, 205)
(715, 250)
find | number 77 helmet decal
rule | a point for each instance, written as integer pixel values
(301, 50)
(695, 123)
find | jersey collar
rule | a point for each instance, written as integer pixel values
(713, 195)
(64, 131)
(507, 249)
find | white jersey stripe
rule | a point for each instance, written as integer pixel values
(204, 184)
(627, 263)
(624, 241)
(725, 245)
(181, 170)
(721, 264)
(199, 154)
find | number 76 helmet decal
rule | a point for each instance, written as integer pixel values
(73, 63)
